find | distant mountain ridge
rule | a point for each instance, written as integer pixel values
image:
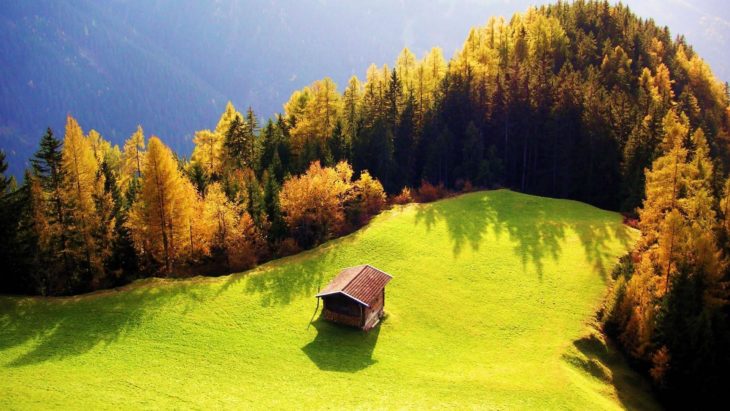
(171, 66)
(81, 60)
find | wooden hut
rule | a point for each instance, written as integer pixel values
(355, 297)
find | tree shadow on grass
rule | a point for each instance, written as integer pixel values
(281, 281)
(597, 356)
(70, 326)
(536, 226)
(595, 238)
(281, 284)
(341, 348)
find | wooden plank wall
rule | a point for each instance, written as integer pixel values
(341, 318)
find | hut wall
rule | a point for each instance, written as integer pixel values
(343, 310)
(341, 304)
(376, 309)
(354, 321)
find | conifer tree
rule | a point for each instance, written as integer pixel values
(132, 158)
(666, 179)
(277, 227)
(122, 258)
(252, 131)
(49, 210)
(338, 143)
(351, 108)
(159, 220)
(224, 123)
(394, 100)
(208, 152)
(223, 215)
(240, 145)
(81, 185)
(19, 255)
(406, 69)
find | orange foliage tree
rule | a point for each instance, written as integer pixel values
(160, 220)
(314, 203)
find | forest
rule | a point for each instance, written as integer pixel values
(583, 101)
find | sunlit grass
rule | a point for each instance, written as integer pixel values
(490, 306)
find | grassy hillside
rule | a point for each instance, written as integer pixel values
(491, 306)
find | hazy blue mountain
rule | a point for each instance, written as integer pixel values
(171, 65)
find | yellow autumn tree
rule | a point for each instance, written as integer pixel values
(429, 73)
(702, 81)
(678, 230)
(666, 179)
(663, 84)
(232, 232)
(224, 123)
(373, 195)
(662, 227)
(639, 309)
(97, 145)
(208, 150)
(197, 239)
(314, 112)
(313, 203)
(159, 219)
(45, 232)
(699, 247)
(222, 216)
(81, 185)
(246, 243)
(406, 66)
(106, 153)
(373, 97)
(38, 211)
(351, 106)
(725, 207)
(132, 158)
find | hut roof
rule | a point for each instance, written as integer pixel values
(362, 283)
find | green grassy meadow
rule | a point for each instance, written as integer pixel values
(491, 307)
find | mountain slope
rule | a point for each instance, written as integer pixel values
(80, 59)
(490, 305)
(172, 68)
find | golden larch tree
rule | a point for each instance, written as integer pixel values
(351, 106)
(97, 145)
(208, 150)
(81, 184)
(232, 231)
(197, 240)
(222, 215)
(313, 112)
(406, 67)
(666, 179)
(224, 123)
(133, 157)
(160, 217)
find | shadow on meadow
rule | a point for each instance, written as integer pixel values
(537, 226)
(69, 326)
(287, 279)
(598, 357)
(60, 327)
(341, 348)
(299, 275)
